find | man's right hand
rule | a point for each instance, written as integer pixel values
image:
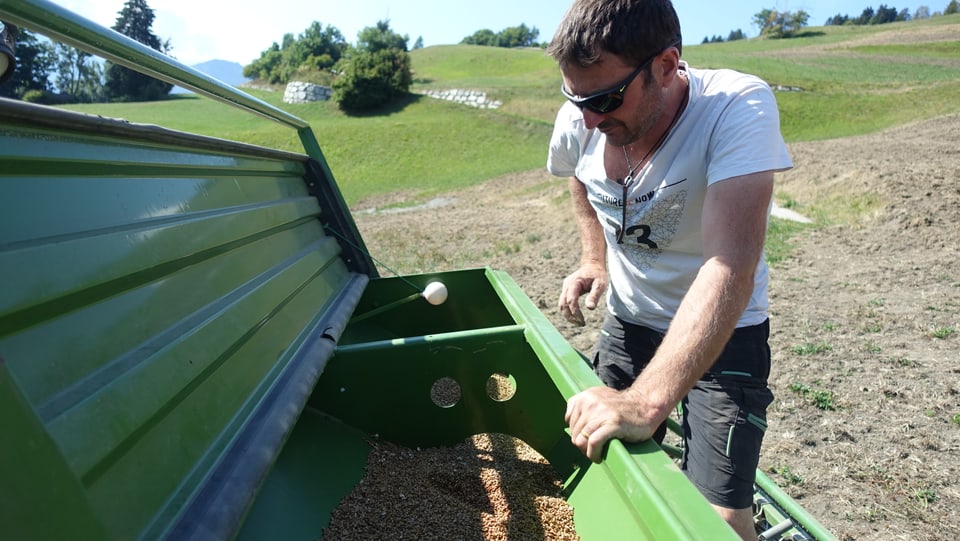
(590, 280)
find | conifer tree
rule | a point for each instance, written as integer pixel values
(122, 84)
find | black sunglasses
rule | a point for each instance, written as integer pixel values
(607, 101)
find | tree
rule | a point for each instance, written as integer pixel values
(266, 67)
(838, 20)
(736, 35)
(381, 37)
(514, 36)
(764, 20)
(317, 48)
(79, 76)
(375, 72)
(370, 80)
(865, 17)
(518, 36)
(776, 24)
(418, 44)
(123, 84)
(485, 37)
(923, 12)
(32, 73)
(884, 15)
(952, 7)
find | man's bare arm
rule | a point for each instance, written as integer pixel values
(591, 277)
(734, 229)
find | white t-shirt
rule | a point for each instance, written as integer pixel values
(731, 127)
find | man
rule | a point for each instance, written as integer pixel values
(671, 174)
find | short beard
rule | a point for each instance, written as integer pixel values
(644, 120)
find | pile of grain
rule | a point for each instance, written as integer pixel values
(489, 487)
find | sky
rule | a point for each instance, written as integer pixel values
(202, 30)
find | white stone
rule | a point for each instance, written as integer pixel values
(472, 98)
(302, 92)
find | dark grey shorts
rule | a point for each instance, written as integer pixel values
(724, 415)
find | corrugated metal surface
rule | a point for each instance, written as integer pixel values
(151, 292)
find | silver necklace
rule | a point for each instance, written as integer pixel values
(631, 169)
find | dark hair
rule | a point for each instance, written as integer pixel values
(631, 29)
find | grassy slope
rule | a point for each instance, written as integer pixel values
(852, 87)
(855, 80)
(426, 147)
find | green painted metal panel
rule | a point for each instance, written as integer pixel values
(160, 304)
(779, 509)
(471, 304)
(156, 286)
(320, 465)
(41, 499)
(190, 429)
(407, 371)
(107, 216)
(153, 384)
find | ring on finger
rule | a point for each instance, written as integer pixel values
(585, 435)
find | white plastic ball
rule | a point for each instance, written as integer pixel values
(435, 293)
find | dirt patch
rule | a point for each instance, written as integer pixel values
(865, 316)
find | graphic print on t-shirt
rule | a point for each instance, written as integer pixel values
(652, 220)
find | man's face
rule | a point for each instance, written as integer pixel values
(638, 100)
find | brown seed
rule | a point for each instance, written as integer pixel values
(488, 487)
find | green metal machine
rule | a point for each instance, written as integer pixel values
(195, 343)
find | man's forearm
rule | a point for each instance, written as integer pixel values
(734, 227)
(697, 335)
(593, 246)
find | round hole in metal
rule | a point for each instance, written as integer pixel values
(501, 387)
(445, 392)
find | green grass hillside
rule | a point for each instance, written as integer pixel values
(855, 80)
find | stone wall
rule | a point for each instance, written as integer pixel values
(300, 92)
(473, 98)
